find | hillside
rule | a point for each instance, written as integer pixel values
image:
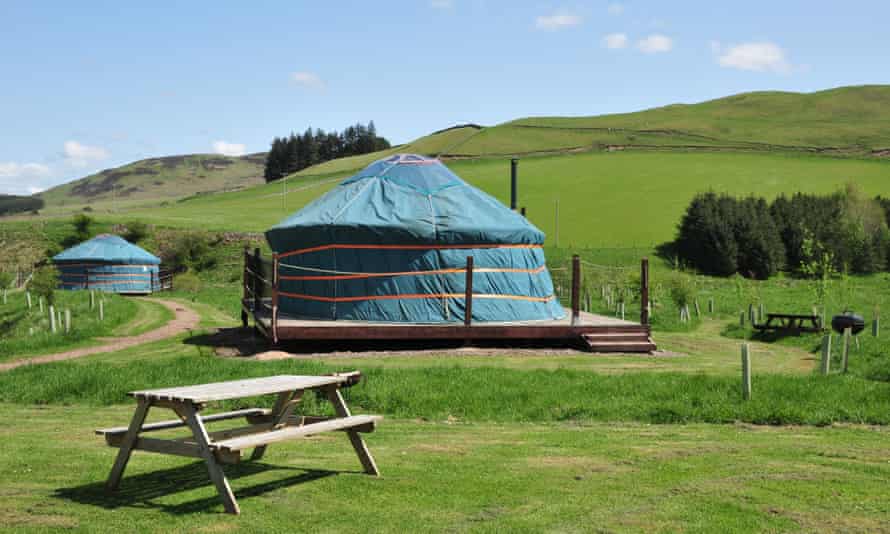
(158, 179)
(851, 121)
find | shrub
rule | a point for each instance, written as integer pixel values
(82, 230)
(136, 231)
(5, 279)
(682, 290)
(44, 283)
(190, 251)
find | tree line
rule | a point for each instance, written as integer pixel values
(10, 204)
(297, 152)
(724, 235)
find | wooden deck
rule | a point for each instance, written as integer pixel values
(592, 332)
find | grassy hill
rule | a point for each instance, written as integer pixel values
(157, 179)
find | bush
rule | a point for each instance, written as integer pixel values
(722, 235)
(5, 279)
(82, 230)
(44, 283)
(136, 231)
(190, 251)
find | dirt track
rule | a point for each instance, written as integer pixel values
(185, 319)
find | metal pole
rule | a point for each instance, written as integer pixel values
(514, 163)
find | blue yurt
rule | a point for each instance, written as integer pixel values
(390, 244)
(108, 263)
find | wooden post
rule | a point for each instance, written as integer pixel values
(742, 320)
(67, 320)
(4, 296)
(275, 298)
(92, 299)
(28, 298)
(697, 308)
(40, 303)
(751, 316)
(845, 355)
(52, 319)
(826, 354)
(257, 268)
(245, 279)
(746, 372)
(468, 293)
(644, 291)
(576, 289)
(101, 310)
(710, 305)
(875, 328)
(622, 310)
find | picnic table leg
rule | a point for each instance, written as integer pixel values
(281, 412)
(193, 420)
(126, 448)
(361, 449)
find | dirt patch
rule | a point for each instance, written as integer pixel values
(184, 319)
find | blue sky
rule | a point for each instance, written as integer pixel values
(91, 85)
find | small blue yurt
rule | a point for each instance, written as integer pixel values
(390, 244)
(108, 263)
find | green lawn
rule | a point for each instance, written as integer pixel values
(442, 475)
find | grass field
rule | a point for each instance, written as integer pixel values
(460, 476)
(26, 332)
(618, 199)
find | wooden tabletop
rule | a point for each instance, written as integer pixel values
(236, 389)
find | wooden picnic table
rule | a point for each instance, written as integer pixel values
(791, 322)
(266, 426)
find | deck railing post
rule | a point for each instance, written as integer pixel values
(576, 289)
(275, 298)
(468, 295)
(244, 294)
(644, 291)
(256, 269)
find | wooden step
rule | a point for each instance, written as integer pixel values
(612, 343)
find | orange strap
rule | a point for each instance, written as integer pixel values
(536, 270)
(414, 296)
(398, 247)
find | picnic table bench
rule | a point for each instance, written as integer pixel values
(266, 426)
(790, 322)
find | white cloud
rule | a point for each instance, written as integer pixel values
(557, 21)
(80, 155)
(23, 178)
(441, 4)
(310, 80)
(656, 43)
(754, 56)
(616, 9)
(615, 41)
(229, 149)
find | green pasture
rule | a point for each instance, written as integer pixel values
(632, 199)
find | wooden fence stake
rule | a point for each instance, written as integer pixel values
(52, 319)
(751, 317)
(826, 354)
(761, 313)
(101, 310)
(697, 308)
(742, 320)
(92, 300)
(4, 296)
(28, 297)
(746, 372)
(875, 328)
(40, 303)
(845, 355)
(711, 306)
(67, 320)
(622, 310)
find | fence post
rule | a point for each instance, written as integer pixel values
(257, 268)
(52, 319)
(742, 320)
(875, 328)
(468, 293)
(746, 372)
(576, 289)
(101, 310)
(244, 281)
(28, 297)
(92, 299)
(710, 305)
(67, 320)
(644, 291)
(275, 298)
(826, 354)
(845, 358)
(697, 308)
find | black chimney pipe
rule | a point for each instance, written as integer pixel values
(514, 163)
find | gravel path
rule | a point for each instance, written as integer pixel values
(185, 319)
